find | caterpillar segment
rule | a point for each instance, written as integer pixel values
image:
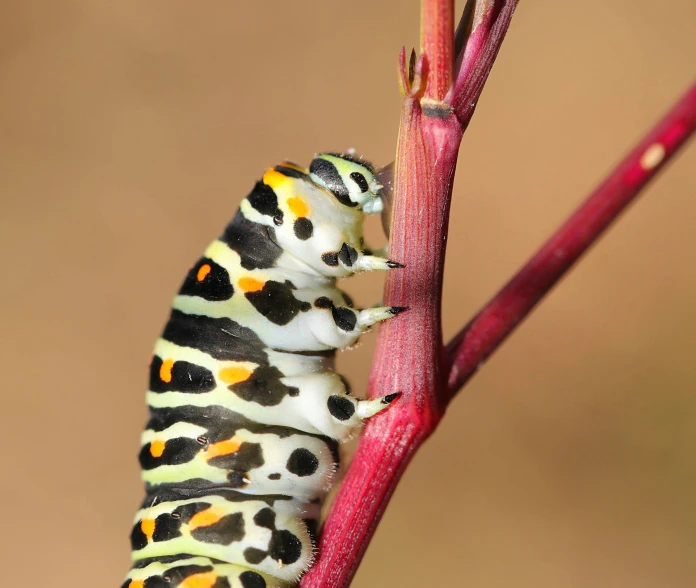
(185, 571)
(246, 410)
(267, 534)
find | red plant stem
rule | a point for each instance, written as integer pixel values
(490, 22)
(410, 354)
(437, 24)
(474, 344)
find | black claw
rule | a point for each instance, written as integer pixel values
(389, 398)
(394, 264)
(397, 309)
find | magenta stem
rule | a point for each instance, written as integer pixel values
(490, 327)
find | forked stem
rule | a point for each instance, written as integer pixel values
(410, 354)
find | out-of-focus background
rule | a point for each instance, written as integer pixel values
(129, 131)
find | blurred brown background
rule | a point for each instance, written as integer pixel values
(130, 130)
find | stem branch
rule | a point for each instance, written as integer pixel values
(490, 327)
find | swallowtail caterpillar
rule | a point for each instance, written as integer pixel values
(246, 410)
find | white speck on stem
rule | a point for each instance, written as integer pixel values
(653, 156)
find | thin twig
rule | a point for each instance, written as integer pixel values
(486, 24)
(473, 344)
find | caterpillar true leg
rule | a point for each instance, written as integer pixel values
(372, 262)
(370, 316)
(324, 404)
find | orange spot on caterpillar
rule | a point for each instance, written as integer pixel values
(204, 580)
(157, 448)
(298, 206)
(203, 271)
(274, 179)
(205, 518)
(251, 284)
(166, 370)
(147, 526)
(136, 584)
(223, 448)
(234, 374)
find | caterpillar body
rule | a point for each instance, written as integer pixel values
(246, 409)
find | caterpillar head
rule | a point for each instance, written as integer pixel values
(350, 180)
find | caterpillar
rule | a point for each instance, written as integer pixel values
(246, 410)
